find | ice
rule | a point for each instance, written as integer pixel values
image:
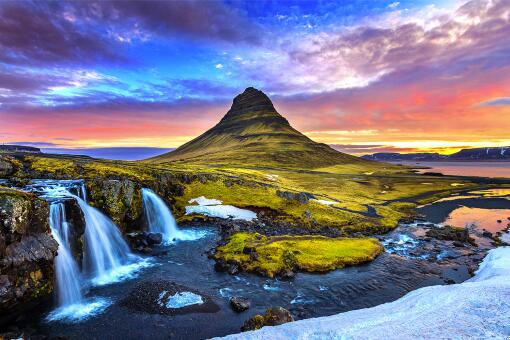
(205, 201)
(478, 308)
(222, 211)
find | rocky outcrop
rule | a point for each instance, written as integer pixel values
(274, 316)
(449, 233)
(27, 249)
(301, 197)
(120, 199)
(239, 304)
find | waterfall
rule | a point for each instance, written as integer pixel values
(161, 220)
(66, 270)
(105, 249)
(159, 217)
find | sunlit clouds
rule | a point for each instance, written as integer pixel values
(380, 75)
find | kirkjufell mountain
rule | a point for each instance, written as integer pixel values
(253, 133)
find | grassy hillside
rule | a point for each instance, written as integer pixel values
(254, 134)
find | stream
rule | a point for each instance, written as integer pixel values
(411, 261)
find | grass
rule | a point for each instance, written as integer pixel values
(366, 202)
(305, 253)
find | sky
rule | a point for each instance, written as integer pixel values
(362, 76)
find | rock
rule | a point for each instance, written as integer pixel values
(274, 316)
(450, 233)
(499, 221)
(301, 197)
(119, 198)
(154, 238)
(142, 240)
(239, 304)
(487, 234)
(458, 244)
(27, 250)
(233, 269)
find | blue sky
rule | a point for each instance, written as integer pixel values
(386, 73)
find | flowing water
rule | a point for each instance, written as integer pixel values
(390, 276)
(106, 252)
(160, 219)
(67, 274)
(106, 259)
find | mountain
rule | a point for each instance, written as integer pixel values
(5, 148)
(253, 133)
(475, 154)
(395, 156)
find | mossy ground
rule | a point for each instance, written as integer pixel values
(367, 199)
(305, 253)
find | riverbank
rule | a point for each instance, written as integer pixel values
(478, 308)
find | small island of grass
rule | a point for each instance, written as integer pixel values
(276, 255)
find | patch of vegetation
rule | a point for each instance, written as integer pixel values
(107, 169)
(270, 256)
(56, 166)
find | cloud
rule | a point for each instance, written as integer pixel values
(393, 5)
(504, 101)
(94, 32)
(358, 56)
(38, 33)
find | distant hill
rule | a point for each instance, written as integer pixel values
(5, 148)
(475, 154)
(253, 133)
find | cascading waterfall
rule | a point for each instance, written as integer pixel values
(106, 252)
(161, 220)
(67, 275)
(107, 257)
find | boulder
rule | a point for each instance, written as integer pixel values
(273, 316)
(301, 197)
(27, 250)
(239, 304)
(450, 233)
(142, 241)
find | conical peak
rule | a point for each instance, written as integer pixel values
(251, 100)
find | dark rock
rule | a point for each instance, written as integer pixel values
(152, 296)
(142, 240)
(458, 244)
(233, 268)
(27, 250)
(301, 197)
(487, 234)
(239, 304)
(450, 234)
(499, 221)
(154, 238)
(274, 316)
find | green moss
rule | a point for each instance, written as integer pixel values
(306, 253)
(56, 166)
(104, 169)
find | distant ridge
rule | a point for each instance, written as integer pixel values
(475, 154)
(253, 133)
(6, 148)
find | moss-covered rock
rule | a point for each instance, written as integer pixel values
(282, 255)
(119, 199)
(27, 249)
(273, 316)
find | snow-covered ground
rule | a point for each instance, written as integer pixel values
(326, 202)
(476, 309)
(214, 208)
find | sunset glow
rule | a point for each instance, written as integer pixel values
(362, 76)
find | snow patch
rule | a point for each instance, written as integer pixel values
(178, 300)
(326, 202)
(272, 177)
(205, 201)
(222, 211)
(477, 309)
